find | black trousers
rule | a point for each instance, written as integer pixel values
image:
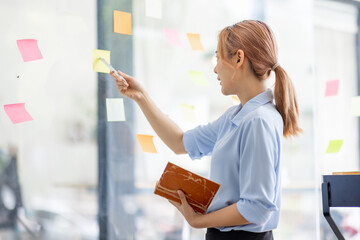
(216, 234)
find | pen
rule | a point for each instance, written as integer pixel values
(113, 69)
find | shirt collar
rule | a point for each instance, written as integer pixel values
(252, 104)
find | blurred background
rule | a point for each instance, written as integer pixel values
(71, 174)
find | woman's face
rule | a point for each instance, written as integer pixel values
(225, 74)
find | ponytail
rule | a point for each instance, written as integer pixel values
(258, 42)
(286, 103)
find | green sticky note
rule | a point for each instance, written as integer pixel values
(355, 106)
(334, 146)
(188, 112)
(99, 66)
(198, 77)
(115, 109)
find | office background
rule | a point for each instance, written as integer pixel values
(74, 175)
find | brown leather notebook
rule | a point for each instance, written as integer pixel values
(199, 191)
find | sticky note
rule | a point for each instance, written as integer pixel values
(122, 22)
(194, 40)
(115, 109)
(99, 66)
(29, 49)
(332, 88)
(355, 106)
(334, 146)
(17, 113)
(172, 36)
(187, 112)
(153, 8)
(198, 77)
(146, 143)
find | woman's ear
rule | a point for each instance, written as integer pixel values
(240, 57)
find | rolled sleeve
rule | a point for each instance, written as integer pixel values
(190, 144)
(258, 178)
(200, 141)
(255, 211)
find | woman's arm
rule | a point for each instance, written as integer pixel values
(165, 128)
(168, 131)
(225, 217)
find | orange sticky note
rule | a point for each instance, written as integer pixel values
(146, 143)
(194, 40)
(122, 22)
(17, 113)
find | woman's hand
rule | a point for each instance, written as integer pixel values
(133, 90)
(192, 217)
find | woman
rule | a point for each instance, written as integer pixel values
(245, 142)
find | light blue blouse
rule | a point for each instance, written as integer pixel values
(245, 145)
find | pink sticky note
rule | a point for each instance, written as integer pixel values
(172, 36)
(17, 113)
(332, 87)
(29, 49)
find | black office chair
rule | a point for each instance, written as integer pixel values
(10, 192)
(10, 195)
(339, 191)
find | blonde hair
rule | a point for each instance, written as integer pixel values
(258, 42)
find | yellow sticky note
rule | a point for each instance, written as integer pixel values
(198, 77)
(99, 66)
(355, 106)
(146, 143)
(122, 22)
(115, 109)
(334, 146)
(194, 40)
(187, 111)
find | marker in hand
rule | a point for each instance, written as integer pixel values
(115, 72)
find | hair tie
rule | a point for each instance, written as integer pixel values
(275, 66)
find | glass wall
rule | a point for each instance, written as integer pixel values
(336, 28)
(49, 166)
(56, 152)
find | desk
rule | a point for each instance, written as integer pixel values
(340, 190)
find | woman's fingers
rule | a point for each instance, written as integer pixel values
(177, 205)
(119, 82)
(121, 86)
(123, 74)
(112, 73)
